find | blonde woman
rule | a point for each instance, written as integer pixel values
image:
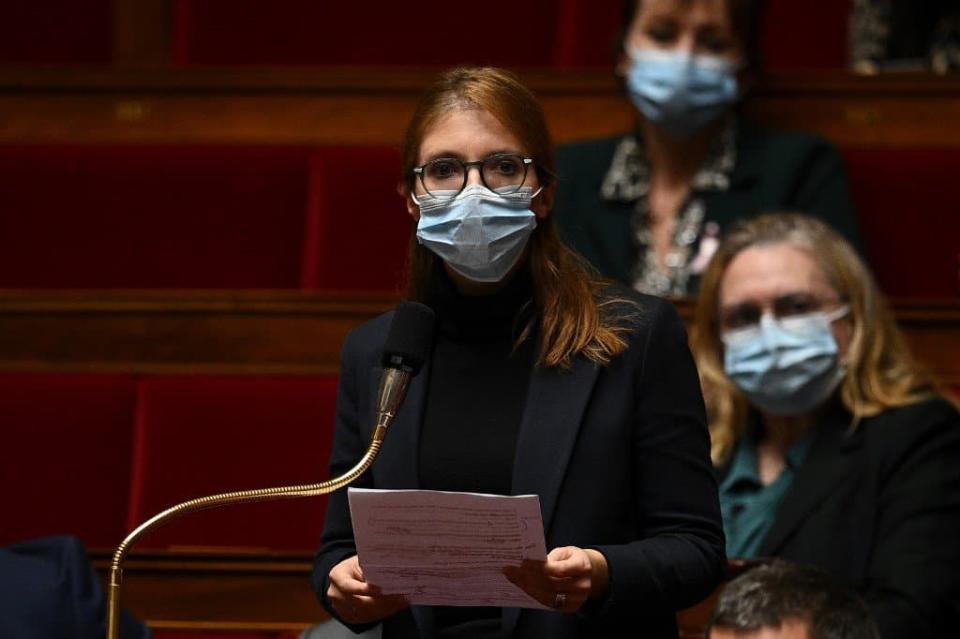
(834, 447)
(542, 380)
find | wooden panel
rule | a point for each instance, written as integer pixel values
(283, 332)
(871, 112)
(371, 107)
(215, 590)
(178, 332)
(933, 332)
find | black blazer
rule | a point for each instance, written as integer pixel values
(880, 509)
(774, 171)
(619, 456)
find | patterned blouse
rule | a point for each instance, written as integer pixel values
(628, 180)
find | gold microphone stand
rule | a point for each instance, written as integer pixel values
(392, 390)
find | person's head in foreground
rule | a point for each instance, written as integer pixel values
(788, 319)
(479, 181)
(782, 600)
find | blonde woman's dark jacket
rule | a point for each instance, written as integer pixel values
(880, 509)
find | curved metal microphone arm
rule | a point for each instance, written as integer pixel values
(393, 387)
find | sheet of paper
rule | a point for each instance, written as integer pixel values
(444, 548)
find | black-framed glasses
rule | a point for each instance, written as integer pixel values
(444, 178)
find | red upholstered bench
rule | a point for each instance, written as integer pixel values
(65, 460)
(790, 27)
(56, 32)
(906, 201)
(151, 217)
(430, 32)
(563, 33)
(358, 227)
(201, 217)
(197, 435)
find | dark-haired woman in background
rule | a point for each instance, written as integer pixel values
(542, 380)
(648, 208)
(835, 448)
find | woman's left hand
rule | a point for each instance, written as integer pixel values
(568, 577)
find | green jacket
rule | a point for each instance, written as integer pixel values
(774, 171)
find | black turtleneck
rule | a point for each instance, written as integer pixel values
(477, 391)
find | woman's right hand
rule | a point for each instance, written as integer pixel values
(354, 600)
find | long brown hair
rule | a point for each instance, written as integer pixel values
(573, 316)
(881, 373)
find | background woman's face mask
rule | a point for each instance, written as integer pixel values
(788, 366)
(680, 92)
(479, 233)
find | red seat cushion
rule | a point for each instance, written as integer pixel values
(907, 209)
(227, 32)
(199, 435)
(429, 32)
(56, 32)
(359, 228)
(809, 35)
(65, 461)
(564, 33)
(587, 33)
(148, 216)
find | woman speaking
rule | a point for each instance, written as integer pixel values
(542, 380)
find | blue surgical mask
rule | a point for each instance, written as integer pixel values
(788, 366)
(679, 92)
(479, 233)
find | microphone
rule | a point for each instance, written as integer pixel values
(406, 349)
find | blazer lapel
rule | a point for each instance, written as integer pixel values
(828, 464)
(551, 421)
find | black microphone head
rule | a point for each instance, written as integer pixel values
(410, 337)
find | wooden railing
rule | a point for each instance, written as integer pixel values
(249, 591)
(219, 590)
(267, 332)
(283, 332)
(372, 106)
